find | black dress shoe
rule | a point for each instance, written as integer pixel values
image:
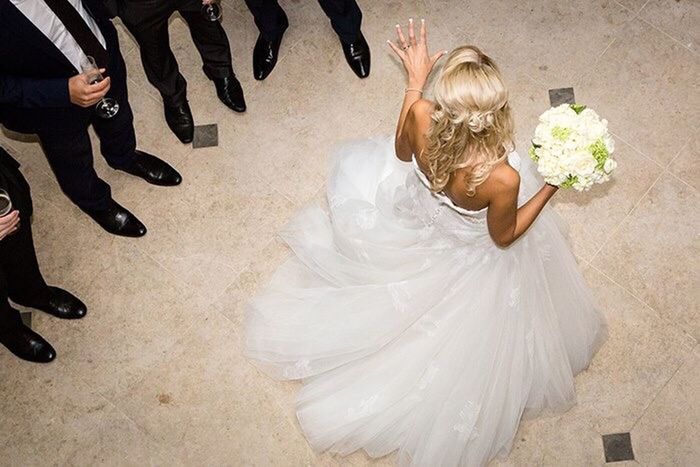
(265, 54)
(230, 93)
(358, 56)
(118, 221)
(27, 345)
(155, 171)
(61, 304)
(180, 121)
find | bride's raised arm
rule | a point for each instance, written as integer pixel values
(418, 64)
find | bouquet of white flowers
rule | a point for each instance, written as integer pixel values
(572, 147)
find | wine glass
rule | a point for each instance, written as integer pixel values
(212, 11)
(5, 203)
(107, 107)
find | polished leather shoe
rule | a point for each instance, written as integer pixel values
(27, 345)
(358, 56)
(180, 121)
(265, 55)
(230, 93)
(118, 221)
(155, 171)
(61, 304)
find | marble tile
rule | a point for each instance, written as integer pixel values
(686, 165)
(528, 100)
(633, 5)
(679, 19)
(632, 82)
(667, 433)
(618, 447)
(581, 32)
(216, 222)
(561, 96)
(251, 280)
(205, 136)
(593, 216)
(52, 417)
(653, 253)
(642, 352)
(203, 387)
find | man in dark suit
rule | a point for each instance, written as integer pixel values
(271, 20)
(42, 46)
(20, 278)
(147, 20)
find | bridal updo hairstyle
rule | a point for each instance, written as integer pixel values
(472, 126)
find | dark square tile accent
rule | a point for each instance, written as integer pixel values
(26, 318)
(618, 447)
(205, 136)
(561, 96)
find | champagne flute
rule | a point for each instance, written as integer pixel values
(5, 203)
(212, 11)
(107, 107)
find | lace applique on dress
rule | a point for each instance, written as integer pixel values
(301, 368)
(467, 421)
(366, 218)
(400, 296)
(365, 408)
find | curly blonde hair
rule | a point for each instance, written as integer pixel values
(472, 125)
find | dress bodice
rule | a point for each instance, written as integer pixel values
(513, 160)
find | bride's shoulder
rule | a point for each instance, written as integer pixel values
(422, 110)
(503, 178)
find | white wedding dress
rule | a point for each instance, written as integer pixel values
(411, 329)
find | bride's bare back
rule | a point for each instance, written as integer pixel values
(502, 176)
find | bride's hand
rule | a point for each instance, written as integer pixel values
(414, 54)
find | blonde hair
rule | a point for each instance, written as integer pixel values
(472, 126)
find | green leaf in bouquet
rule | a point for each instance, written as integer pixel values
(561, 133)
(578, 108)
(600, 153)
(532, 152)
(569, 182)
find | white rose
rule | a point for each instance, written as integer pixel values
(609, 166)
(583, 164)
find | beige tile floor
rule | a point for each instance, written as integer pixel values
(154, 374)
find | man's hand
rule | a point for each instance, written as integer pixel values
(83, 93)
(9, 223)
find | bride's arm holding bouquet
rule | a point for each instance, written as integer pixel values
(418, 64)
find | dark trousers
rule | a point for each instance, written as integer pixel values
(345, 16)
(20, 277)
(147, 20)
(67, 144)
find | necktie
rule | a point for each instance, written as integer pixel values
(78, 28)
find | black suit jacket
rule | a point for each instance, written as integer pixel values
(34, 73)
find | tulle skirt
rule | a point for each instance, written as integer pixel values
(411, 329)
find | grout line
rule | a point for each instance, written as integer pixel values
(614, 232)
(661, 389)
(658, 29)
(653, 310)
(591, 69)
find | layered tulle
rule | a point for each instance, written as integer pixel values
(411, 329)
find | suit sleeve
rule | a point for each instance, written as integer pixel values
(34, 93)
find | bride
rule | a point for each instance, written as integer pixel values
(435, 301)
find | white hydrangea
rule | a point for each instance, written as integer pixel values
(572, 147)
